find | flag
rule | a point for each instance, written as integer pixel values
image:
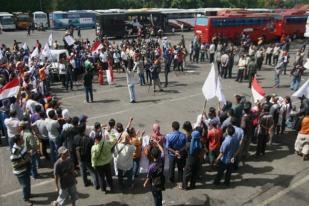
(97, 45)
(219, 92)
(258, 92)
(1, 55)
(35, 52)
(10, 89)
(46, 51)
(303, 90)
(50, 40)
(210, 85)
(110, 75)
(25, 46)
(69, 40)
(306, 65)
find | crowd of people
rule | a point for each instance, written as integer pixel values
(36, 124)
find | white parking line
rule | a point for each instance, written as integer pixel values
(146, 106)
(283, 192)
(32, 186)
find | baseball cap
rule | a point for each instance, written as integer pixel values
(62, 150)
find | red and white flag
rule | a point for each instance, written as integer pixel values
(110, 75)
(258, 92)
(97, 45)
(10, 89)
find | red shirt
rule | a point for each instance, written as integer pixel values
(214, 137)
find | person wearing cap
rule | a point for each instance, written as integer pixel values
(21, 161)
(65, 178)
(31, 143)
(264, 129)
(101, 157)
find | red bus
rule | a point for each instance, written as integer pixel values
(290, 22)
(232, 25)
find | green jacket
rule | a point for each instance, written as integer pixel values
(101, 154)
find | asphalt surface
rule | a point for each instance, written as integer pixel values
(278, 178)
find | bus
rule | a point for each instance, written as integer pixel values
(74, 19)
(22, 20)
(290, 22)
(7, 21)
(111, 24)
(232, 25)
(177, 18)
(40, 19)
(307, 28)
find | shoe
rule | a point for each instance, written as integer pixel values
(161, 90)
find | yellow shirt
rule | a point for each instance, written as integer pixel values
(304, 126)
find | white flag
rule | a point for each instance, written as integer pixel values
(69, 40)
(219, 92)
(25, 46)
(303, 90)
(50, 39)
(210, 85)
(46, 51)
(35, 52)
(1, 55)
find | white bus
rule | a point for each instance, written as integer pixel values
(7, 21)
(307, 28)
(40, 19)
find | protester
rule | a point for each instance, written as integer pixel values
(65, 178)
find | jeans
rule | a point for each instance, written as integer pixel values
(25, 182)
(53, 151)
(240, 75)
(69, 80)
(128, 174)
(136, 163)
(277, 79)
(157, 196)
(141, 78)
(63, 79)
(11, 142)
(132, 93)
(88, 92)
(180, 165)
(105, 172)
(148, 76)
(221, 169)
(84, 167)
(35, 158)
(295, 83)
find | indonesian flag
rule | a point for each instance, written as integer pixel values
(10, 89)
(110, 75)
(258, 92)
(97, 45)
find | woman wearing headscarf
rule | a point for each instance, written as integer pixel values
(192, 165)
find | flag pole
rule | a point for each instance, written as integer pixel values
(204, 107)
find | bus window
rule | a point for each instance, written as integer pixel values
(203, 21)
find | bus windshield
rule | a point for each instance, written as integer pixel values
(7, 20)
(203, 21)
(40, 16)
(23, 18)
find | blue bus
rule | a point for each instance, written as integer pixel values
(73, 19)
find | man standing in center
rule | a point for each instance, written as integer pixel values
(88, 85)
(176, 145)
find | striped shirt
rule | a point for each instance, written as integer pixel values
(20, 159)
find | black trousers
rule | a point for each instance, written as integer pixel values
(261, 144)
(105, 172)
(224, 71)
(224, 167)
(191, 171)
(157, 196)
(240, 75)
(268, 59)
(173, 161)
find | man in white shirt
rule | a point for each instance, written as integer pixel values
(124, 159)
(53, 129)
(131, 83)
(212, 50)
(12, 125)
